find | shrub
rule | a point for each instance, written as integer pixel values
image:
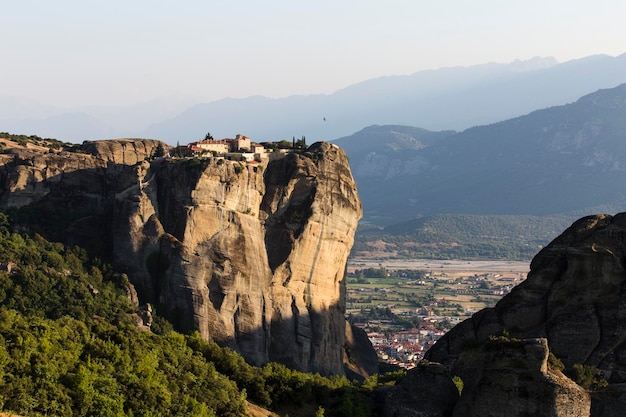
(587, 376)
(458, 382)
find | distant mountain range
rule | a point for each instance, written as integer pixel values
(569, 158)
(449, 98)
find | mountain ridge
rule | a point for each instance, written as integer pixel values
(483, 96)
(555, 160)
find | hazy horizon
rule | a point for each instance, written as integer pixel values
(69, 54)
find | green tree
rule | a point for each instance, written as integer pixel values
(159, 151)
(177, 151)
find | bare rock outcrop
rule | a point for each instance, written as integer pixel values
(252, 256)
(512, 377)
(426, 391)
(360, 359)
(574, 297)
(610, 402)
(502, 376)
(573, 305)
(122, 151)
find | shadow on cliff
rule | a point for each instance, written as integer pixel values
(81, 207)
(89, 208)
(74, 208)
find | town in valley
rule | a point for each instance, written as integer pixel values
(404, 306)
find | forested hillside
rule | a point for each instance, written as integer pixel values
(70, 346)
(556, 160)
(462, 236)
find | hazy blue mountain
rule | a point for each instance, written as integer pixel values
(386, 152)
(29, 117)
(560, 159)
(449, 98)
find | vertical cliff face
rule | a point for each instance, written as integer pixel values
(252, 256)
(513, 377)
(309, 211)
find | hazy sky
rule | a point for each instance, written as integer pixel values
(82, 52)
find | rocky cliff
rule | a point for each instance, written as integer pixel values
(572, 305)
(513, 375)
(574, 297)
(499, 377)
(252, 256)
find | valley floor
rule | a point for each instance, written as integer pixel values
(404, 314)
(450, 266)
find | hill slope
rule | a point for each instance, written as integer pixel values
(560, 159)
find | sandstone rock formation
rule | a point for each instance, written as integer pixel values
(512, 377)
(499, 377)
(252, 256)
(360, 358)
(122, 151)
(571, 304)
(426, 391)
(574, 297)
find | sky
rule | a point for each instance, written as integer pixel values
(72, 53)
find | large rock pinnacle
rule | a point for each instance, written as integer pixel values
(251, 256)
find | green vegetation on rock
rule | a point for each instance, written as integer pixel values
(69, 347)
(463, 236)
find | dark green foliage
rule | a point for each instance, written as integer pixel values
(285, 144)
(23, 140)
(300, 143)
(65, 367)
(501, 341)
(459, 236)
(159, 151)
(68, 347)
(197, 163)
(588, 377)
(555, 363)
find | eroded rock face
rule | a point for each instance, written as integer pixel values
(122, 151)
(574, 296)
(512, 378)
(360, 357)
(426, 391)
(251, 256)
(500, 377)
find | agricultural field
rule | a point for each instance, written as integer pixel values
(428, 288)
